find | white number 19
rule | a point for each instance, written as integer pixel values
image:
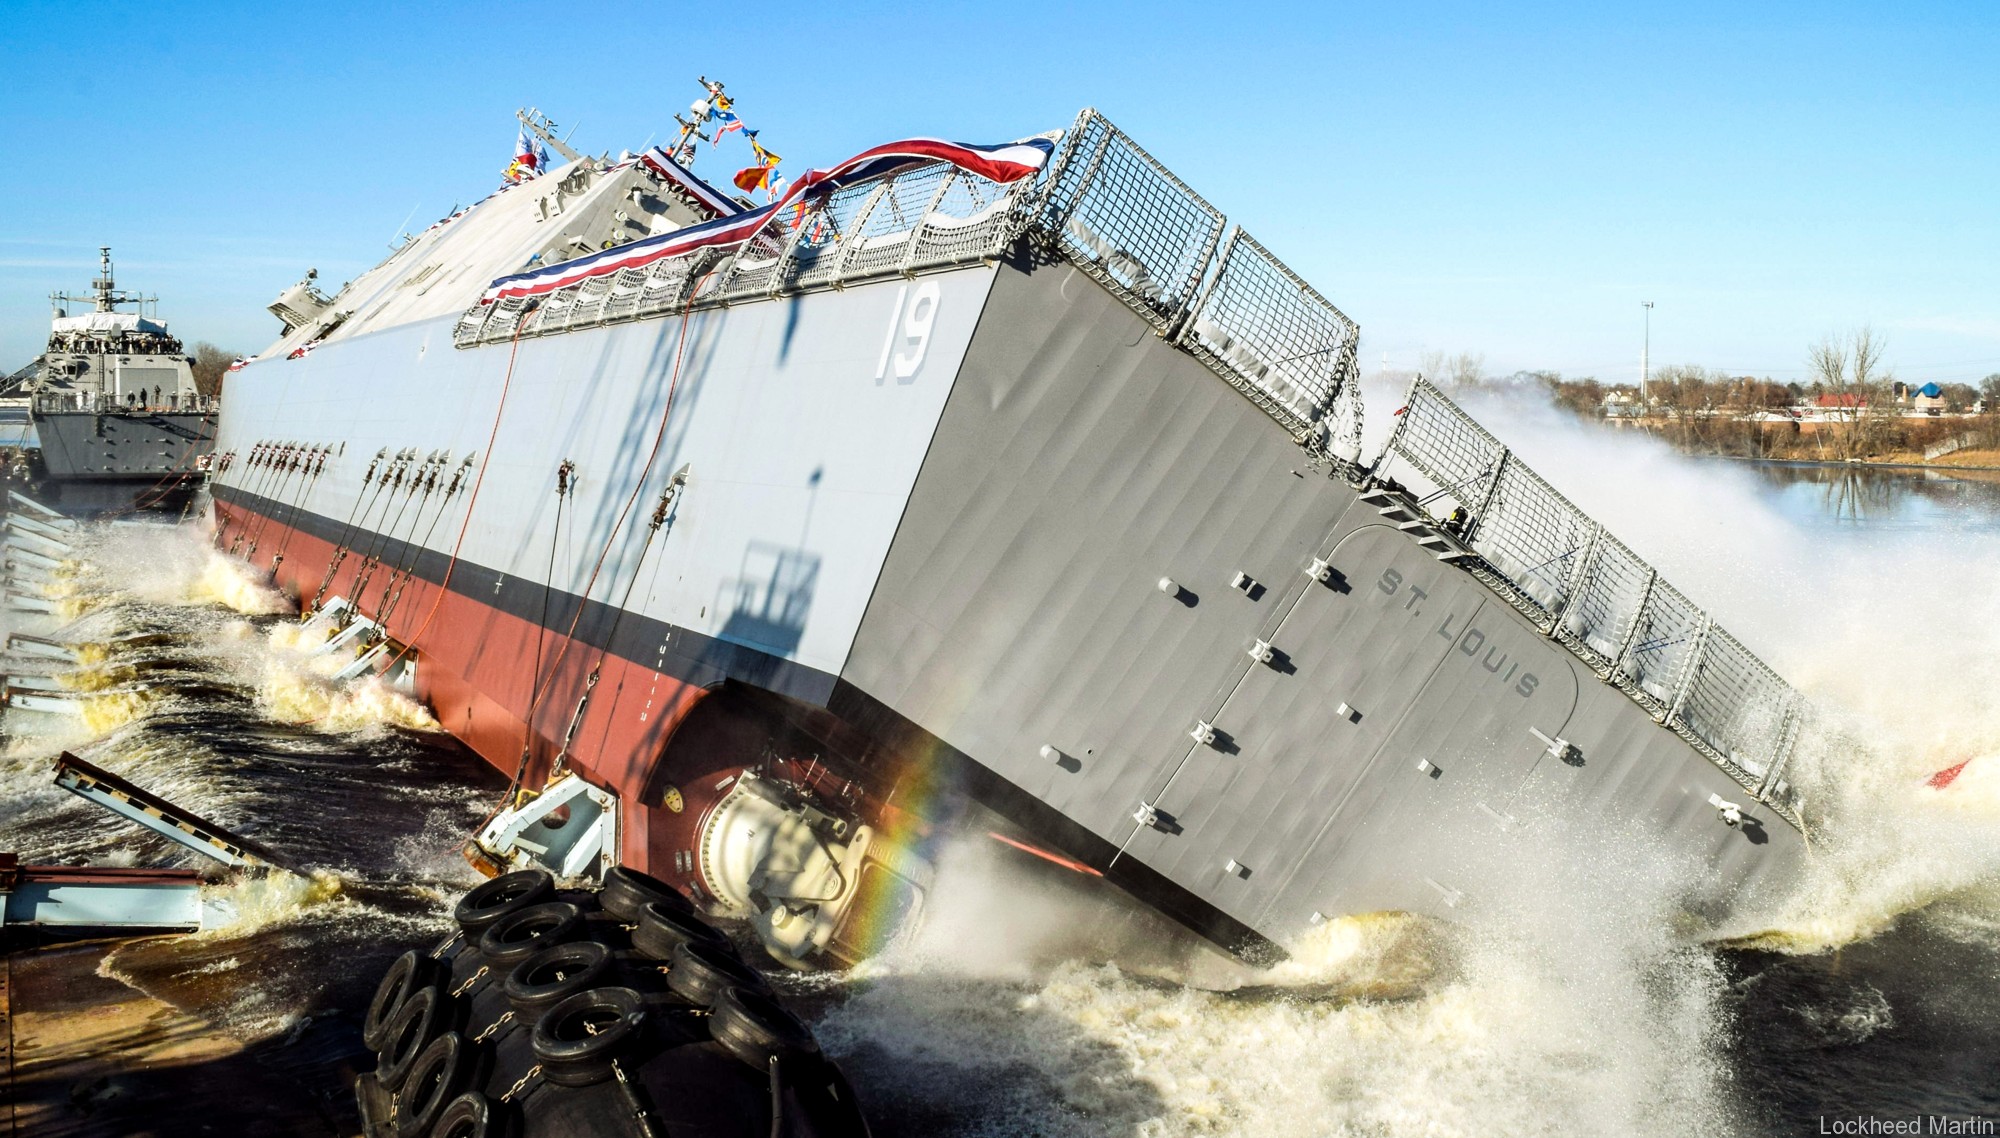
(914, 321)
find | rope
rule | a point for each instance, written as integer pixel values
(638, 484)
(380, 546)
(260, 472)
(340, 549)
(317, 463)
(548, 579)
(286, 467)
(478, 480)
(174, 473)
(583, 602)
(392, 594)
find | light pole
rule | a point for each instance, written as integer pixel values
(1646, 356)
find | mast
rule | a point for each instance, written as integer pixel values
(104, 287)
(682, 150)
(543, 128)
(105, 295)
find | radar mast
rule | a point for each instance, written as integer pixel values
(105, 296)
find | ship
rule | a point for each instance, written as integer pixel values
(1005, 485)
(109, 416)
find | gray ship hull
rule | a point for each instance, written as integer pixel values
(1014, 524)
(123, 446)
(1019, 609)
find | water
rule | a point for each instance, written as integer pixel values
(1568, 1005)
(229, 718)
(1883, 500)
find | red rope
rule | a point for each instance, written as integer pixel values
(478, 480)
(639, 484)
(444, 587)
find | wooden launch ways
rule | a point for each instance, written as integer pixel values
(477, 672)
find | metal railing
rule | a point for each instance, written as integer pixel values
(1118, 215)
(109, 404)
(1115, 213)
(1271, 335)
(932, 217)
(1123, 218)
(1102, 203)
(1585, 588)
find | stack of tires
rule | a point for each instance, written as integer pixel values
(590, 1014)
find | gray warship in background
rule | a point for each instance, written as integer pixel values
(109, 415)
(946, 494)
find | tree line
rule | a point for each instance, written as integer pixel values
(211, 365)
(1705, 411)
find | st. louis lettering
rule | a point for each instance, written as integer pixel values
(1472, 641)
(1392, 581)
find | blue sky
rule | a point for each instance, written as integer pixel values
(1456, 178)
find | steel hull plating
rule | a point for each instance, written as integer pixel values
(123, 446)
(952, 546)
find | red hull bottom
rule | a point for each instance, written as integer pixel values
(478, 666)
(477, 670)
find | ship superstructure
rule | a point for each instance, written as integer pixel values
(113, 398)
(1008, 479)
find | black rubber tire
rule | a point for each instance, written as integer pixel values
(505, 894)
(372, 1103)
(752, 1026)
(627, 891)
(576, 1040)
(469, 1115)
(439, 1075)
(699, 972)
(662, 929)
(553, 975)
(411, 971)
(525, 932)
(417, 1022)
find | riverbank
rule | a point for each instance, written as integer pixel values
(1989, 462)
(1902, 442)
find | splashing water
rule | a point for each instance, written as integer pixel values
(1565, 1001)
(194, 683)
(1568, 1004)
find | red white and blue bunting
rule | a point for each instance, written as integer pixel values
(1005, 163)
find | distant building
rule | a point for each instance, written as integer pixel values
(1927, 400)
(1840, 401)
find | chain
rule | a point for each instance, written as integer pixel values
(633, 1101)
(469, 982)
(444, 945)
(516, 1088)
(496, 1025)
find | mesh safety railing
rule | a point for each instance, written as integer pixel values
(1271, 335)
(1102, 203)
(1123, 218)
(1736, 704)
(1589, 590)
(1118, 215)
(1604, 608)
(921, 219)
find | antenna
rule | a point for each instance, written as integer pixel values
(1646, 356)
